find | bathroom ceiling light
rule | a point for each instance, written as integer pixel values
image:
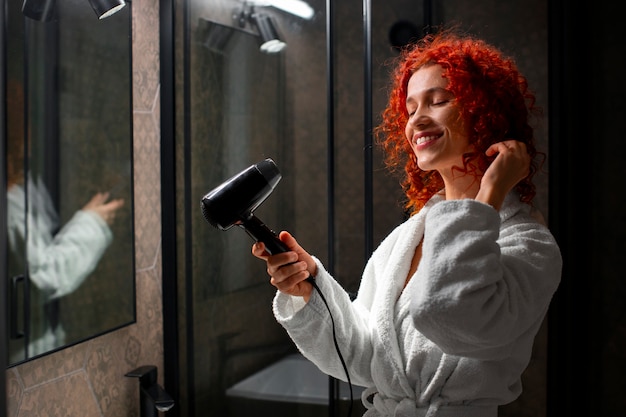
(298, 8)
(295, 7)
(41, 10)
(270, 41)
(105, 8)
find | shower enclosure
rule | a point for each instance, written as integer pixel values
(237, 102)
(230, 100)
(252, 83)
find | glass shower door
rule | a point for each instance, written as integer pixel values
(236, 105)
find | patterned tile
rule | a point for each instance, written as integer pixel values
(15, 389)
(68, 396)
(54, 366)
(147, 190)
(145, 32)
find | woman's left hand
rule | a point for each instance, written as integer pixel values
(100, 205)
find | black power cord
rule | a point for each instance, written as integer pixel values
(343, 362)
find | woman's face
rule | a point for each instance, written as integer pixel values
(434, 130)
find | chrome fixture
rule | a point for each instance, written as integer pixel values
(152, 397)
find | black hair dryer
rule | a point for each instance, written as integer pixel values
(233, 202)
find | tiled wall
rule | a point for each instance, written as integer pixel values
(88, 379)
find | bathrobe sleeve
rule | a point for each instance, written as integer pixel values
(357, 323)
(60, 264)
(311, 327)
(485, 278)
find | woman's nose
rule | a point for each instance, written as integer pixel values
(418, 118)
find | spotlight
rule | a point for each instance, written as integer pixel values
(105, 8)
(270, 41)
(41, 10)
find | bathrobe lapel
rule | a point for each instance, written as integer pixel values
(396, 264)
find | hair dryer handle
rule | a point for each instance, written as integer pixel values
(261, 233)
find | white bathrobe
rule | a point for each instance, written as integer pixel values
(456, 340)
(58, 263)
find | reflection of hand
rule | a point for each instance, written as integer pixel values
(99, 205)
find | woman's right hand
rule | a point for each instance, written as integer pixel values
(288, 270)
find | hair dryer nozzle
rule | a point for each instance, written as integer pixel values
(233, 201)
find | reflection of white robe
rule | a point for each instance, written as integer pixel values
(57, 263)
(456, 340)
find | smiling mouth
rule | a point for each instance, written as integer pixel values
(424, 139)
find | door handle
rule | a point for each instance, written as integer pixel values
(16, 331)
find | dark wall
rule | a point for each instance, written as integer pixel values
(587, 346)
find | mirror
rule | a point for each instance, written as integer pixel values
(69, 207)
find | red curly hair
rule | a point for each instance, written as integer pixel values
(493, 98)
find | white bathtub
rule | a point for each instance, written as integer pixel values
(292, 380)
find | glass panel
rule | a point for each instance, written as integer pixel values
(236, 120)
(69, 138)
(239, 106)
(15, 148)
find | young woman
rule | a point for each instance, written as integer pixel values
(450, 302)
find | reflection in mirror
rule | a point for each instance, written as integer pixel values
(70, 266)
